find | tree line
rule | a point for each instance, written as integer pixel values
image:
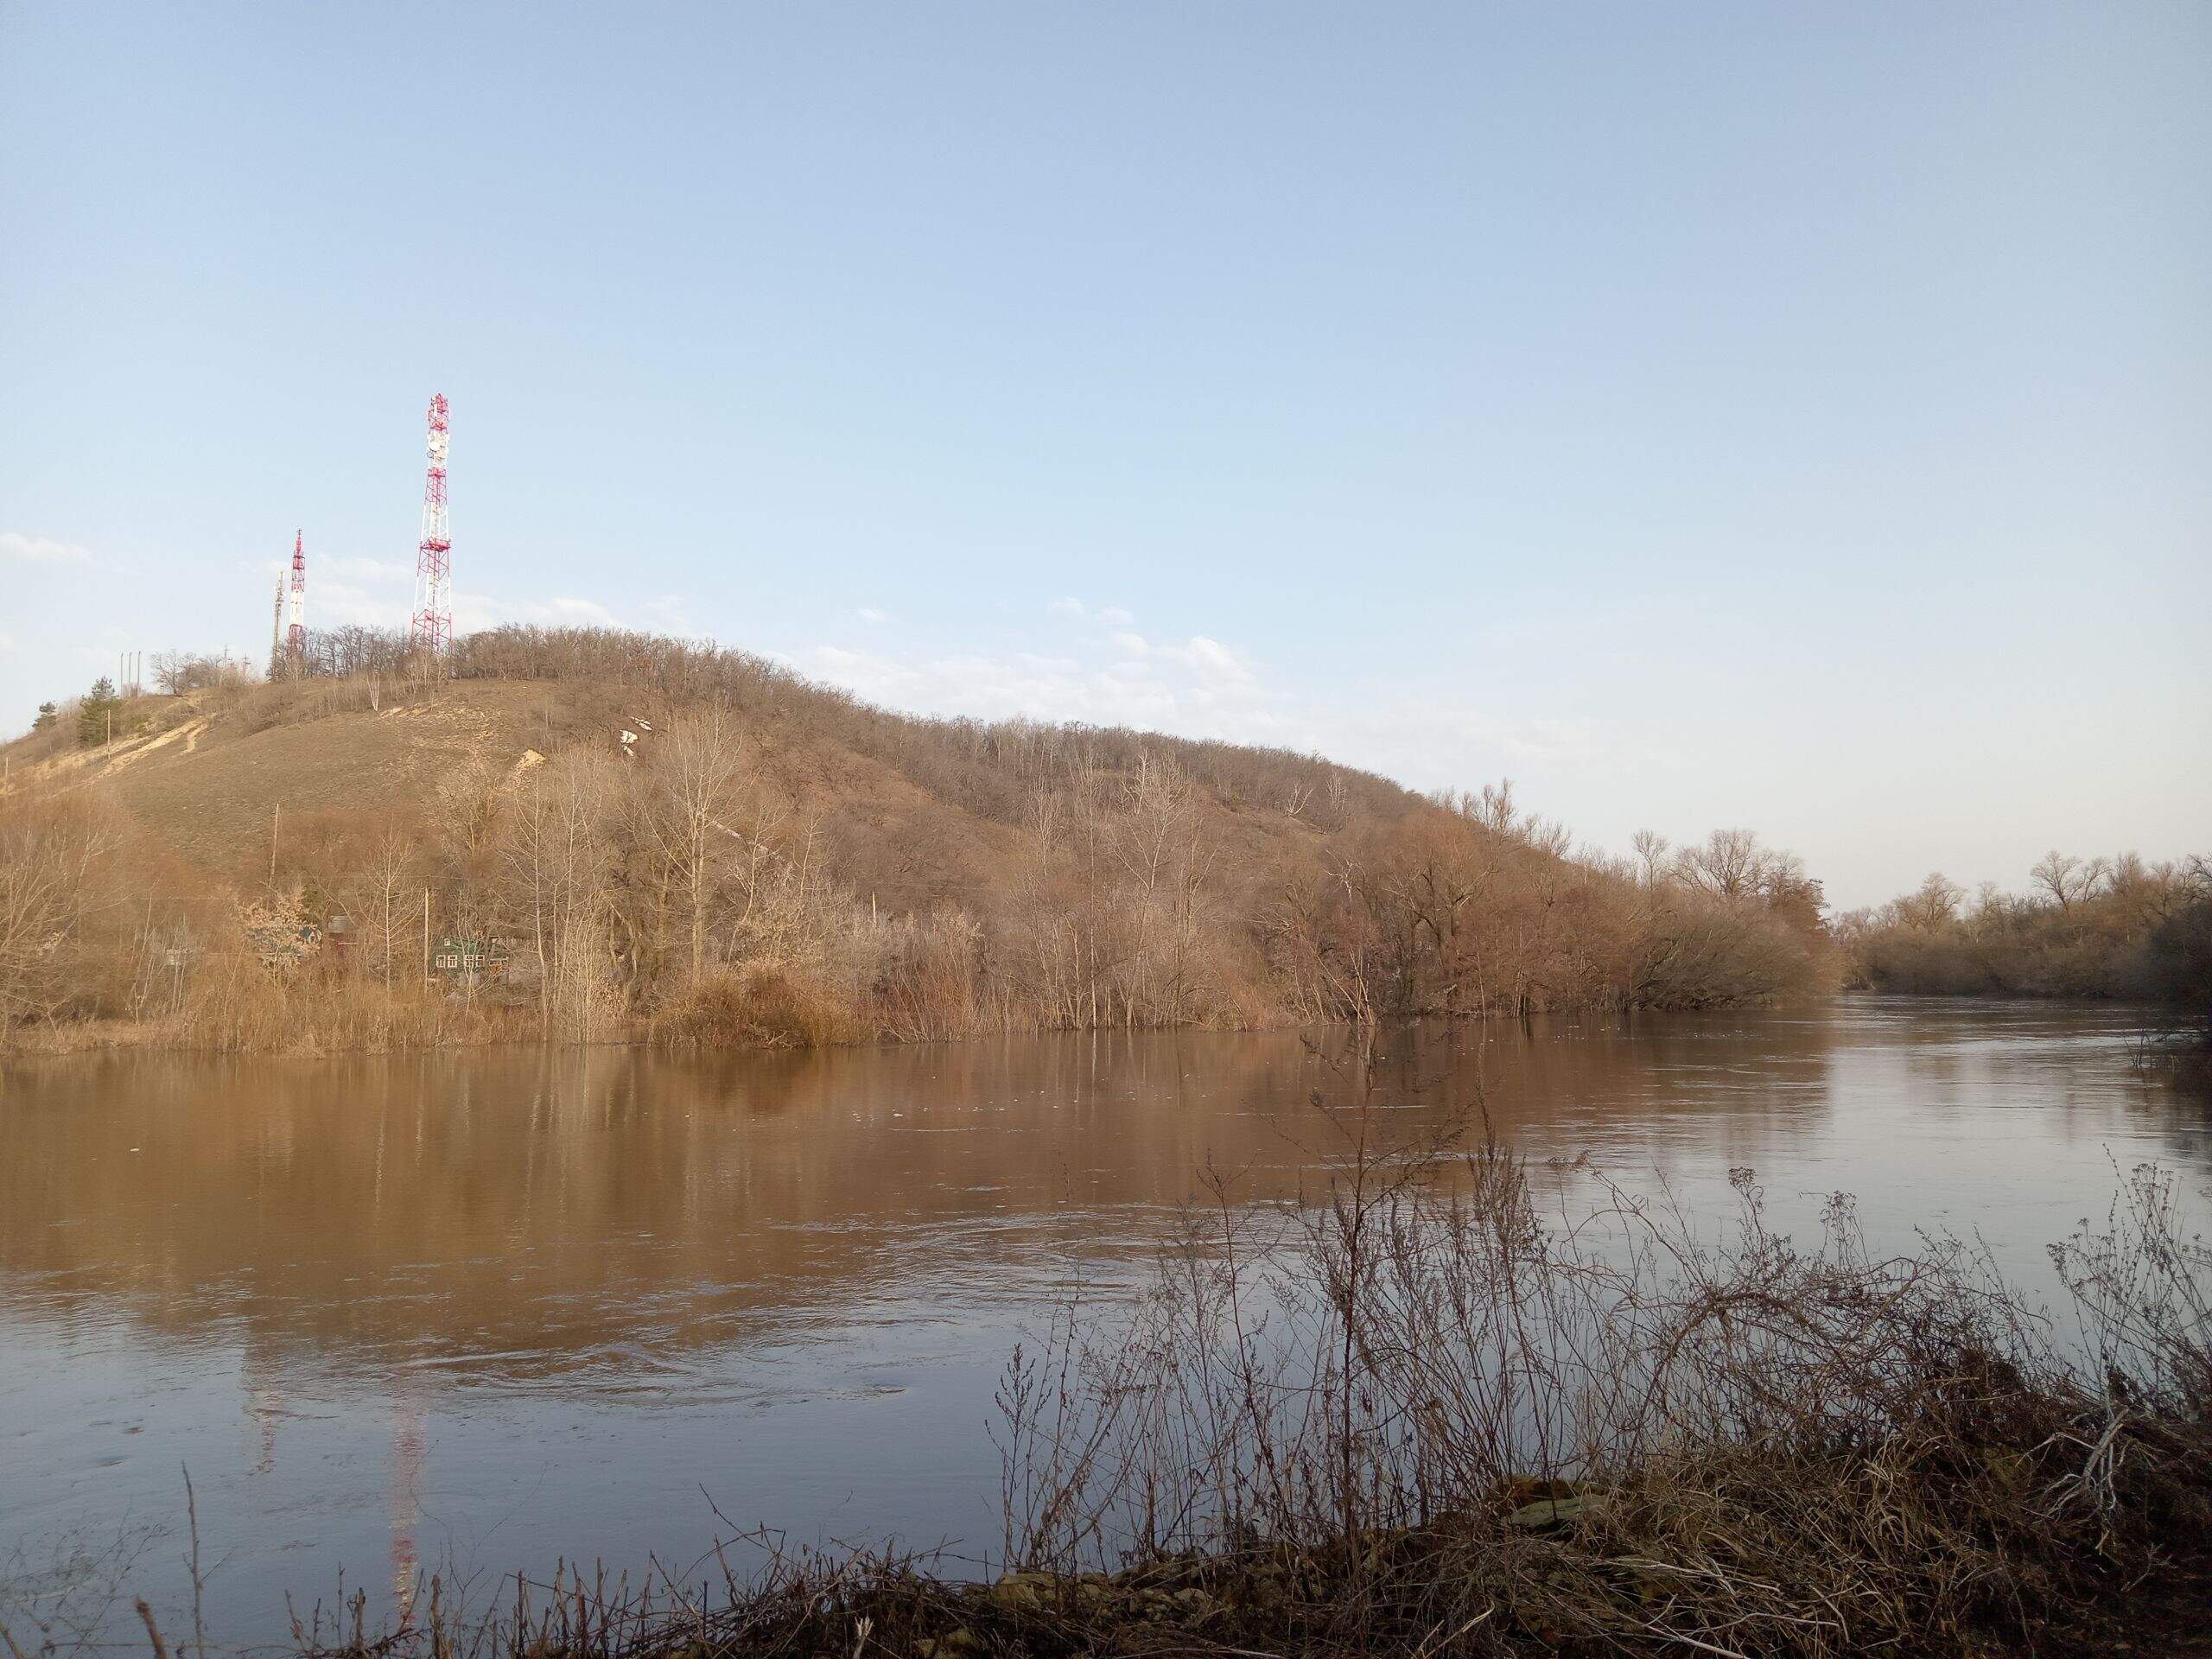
(2115, 926)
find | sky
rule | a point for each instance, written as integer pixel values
(1793, 417)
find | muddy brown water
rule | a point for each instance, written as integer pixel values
(471, 1312)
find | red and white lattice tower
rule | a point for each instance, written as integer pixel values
(295, 636)
(431, 630)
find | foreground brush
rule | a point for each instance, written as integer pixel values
(1413, 1418)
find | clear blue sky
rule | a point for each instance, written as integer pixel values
(1796, 417)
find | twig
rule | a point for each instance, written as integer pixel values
(1691, 1642)
(146, 1615)
(192, 1516)
(1423, 1651)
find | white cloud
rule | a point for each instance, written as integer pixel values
(669, 614)
(333, 603)
(41, 550)
(472, 612)
(1205, 687)
(1213, 662)
(569, 613)
(340, 564)
(1112, 616)
(869, 613)
(1200, 687)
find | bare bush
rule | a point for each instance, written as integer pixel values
(1415, 1409)
(58, 911)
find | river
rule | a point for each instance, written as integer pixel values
(474, 1312)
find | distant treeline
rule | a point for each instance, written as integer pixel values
(715, 883)
(2088, 927)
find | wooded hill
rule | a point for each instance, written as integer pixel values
(767, 859)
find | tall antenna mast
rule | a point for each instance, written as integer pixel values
(431, 627)
(295, 638)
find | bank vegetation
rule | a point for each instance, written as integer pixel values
(701, 847)
(2106, 927)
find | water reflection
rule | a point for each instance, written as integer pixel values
(524, 1304)
(560, 1214)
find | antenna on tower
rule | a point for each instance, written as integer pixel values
(431, 626)
(295, 638)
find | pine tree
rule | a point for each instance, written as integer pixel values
(96, 714)
(48, 714)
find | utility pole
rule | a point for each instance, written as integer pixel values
(430, 625)
(295, 636)
(276, 813)
(426, 934)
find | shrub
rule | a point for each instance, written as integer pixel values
(761, 1006)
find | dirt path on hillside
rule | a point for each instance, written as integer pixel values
(118, 759)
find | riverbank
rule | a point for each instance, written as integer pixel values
(781, 1025)
(1301, 1445)
(1408, 1598)
(2114, 928)
(247, 1011)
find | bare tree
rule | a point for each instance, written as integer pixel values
(1933, 904)
(2067, 880)
(697, 763)
(1729, 864)
(388, 879)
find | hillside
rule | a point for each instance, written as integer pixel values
(767, 859)
(214, 774)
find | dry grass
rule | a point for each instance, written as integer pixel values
(237, 1005)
